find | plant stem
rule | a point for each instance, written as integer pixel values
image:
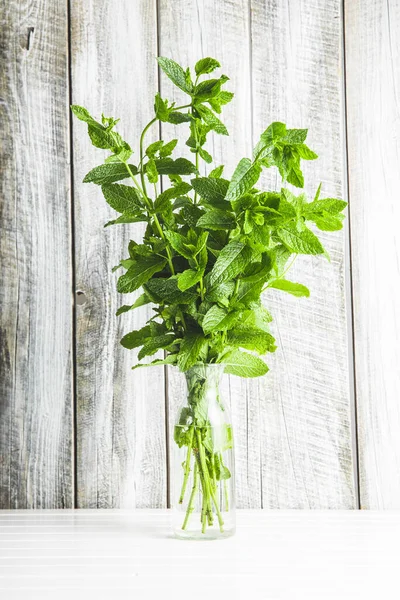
(187, 465)
(190, 507)
(141, 153)
(208, 489)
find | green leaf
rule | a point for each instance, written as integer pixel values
(329, 222)
(121, 197)
(140, 272)
(151, 171)
(212, 190)
(217, 219)
(243, 364)
(274, 132)
(82, 114)
(175, 73)
(141, 301)
(220, 293)
(217, 172)
(168, 148)
(207, 89)
(231, 261)
(167, 290)
(168, 360)
(295, 176)
(159, 342)
(180, 166)
(127, 217)
(152, 150)
(296, 289)
(332, 206)
(161, 108)
(252, 339)
(296, 136)
(305, 152)
(211, 120)
(177, 117)
(206, 156)
(206, 65)
(188, 279)
(134, 339)
(179, 244)
(165, 197)
(109, 173)
(243, 179)
(304, 242)
(190, 350)
(218, 319)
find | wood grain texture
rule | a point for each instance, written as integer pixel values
(120, 414)
(35, 258)
(373, 109)
(304, 400)
(189, 31)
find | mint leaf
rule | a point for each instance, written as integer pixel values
(212, 121)
(165, 197)
(188, 279)
(190, 350)
(329, 222)
(243, 364)
(168, 148)
(218, 319)
(168, 360)
(179, 244)
(217, 172)
(134, 339)
(159, 342)
(180, 166)
(296, 136)
(217, 219)
(243, 179)
(305, 152)
(304, 242)
(296, 289)
(140, 272)
(166, 290)
(206, 65)
(207, 89)
(141, 301)
(121, 197)
(212, 190)
(151, 171)
(332, 206)
(175, 73)
(109, 173)
(231, 261)
(252, 339)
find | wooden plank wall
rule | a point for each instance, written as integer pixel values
(373, 122)
(36, 461)
(88, 432)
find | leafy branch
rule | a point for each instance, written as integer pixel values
(212, 245)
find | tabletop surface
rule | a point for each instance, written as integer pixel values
(275, 554)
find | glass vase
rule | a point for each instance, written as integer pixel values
(203, 467)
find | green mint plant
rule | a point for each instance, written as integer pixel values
(212, 245)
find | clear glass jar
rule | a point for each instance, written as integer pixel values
(203, 465)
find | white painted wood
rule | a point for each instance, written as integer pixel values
(373, 110)
(275, 554)
(35, 258)
(189, 31)
(304, 399)
(121, 458)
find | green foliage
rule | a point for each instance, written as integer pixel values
(211, 245)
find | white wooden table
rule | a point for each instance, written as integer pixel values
(121, 554)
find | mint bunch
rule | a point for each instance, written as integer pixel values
(212, 245)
